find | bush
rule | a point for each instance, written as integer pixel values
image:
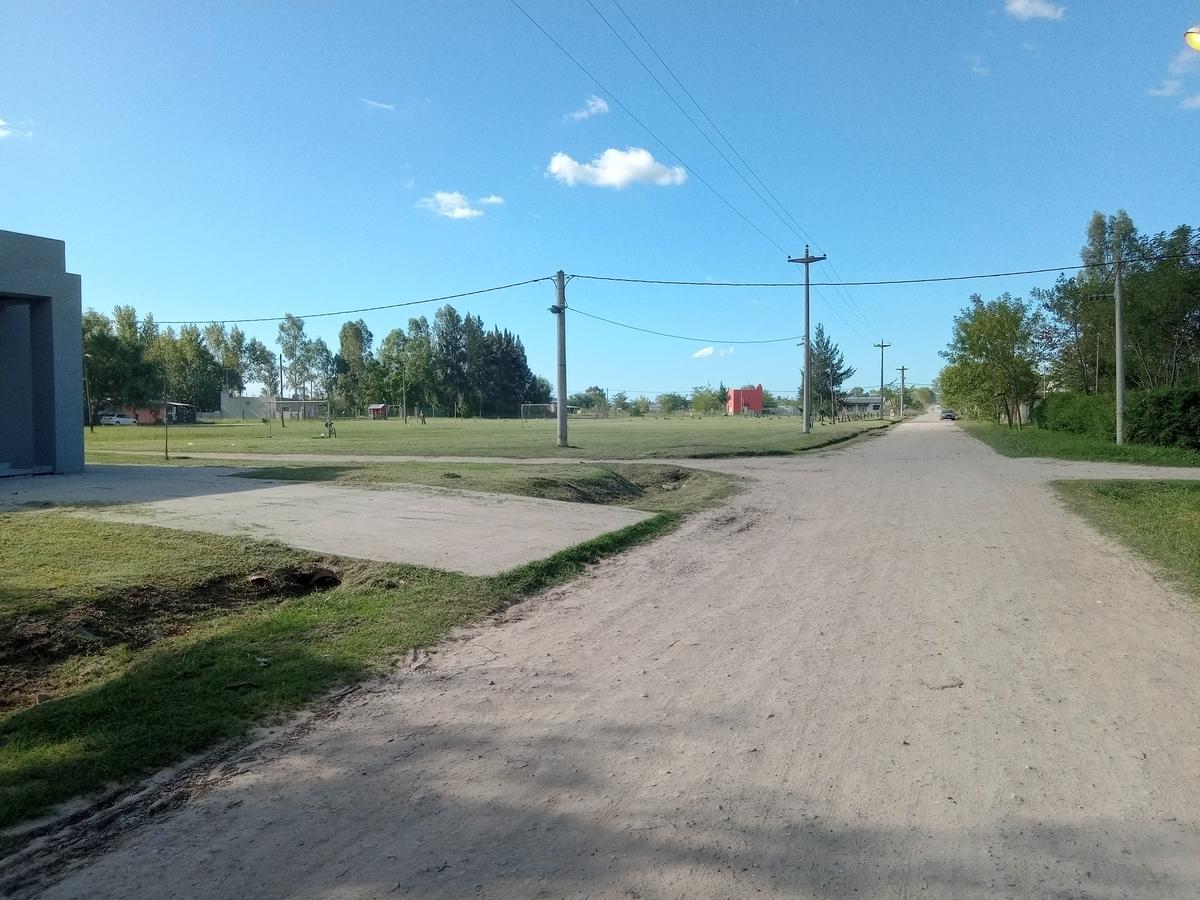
(1094, 414)
(1169, 417)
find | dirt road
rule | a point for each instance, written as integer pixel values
(896, 670)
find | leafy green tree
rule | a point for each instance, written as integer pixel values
(671, 402)
(621, 401)
(992, 358)
(707, 400)
(640, 406)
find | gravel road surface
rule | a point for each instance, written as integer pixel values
(898, 669)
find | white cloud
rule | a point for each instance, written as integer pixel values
(1192, 102)
(1034, 9)
(615, 169)
(593, 106)
(1169, 88)
(490, 200)
(377, 104)
(450, 204)
(7, 129)
(728, 352)
(977, 67)
(703, 353)
(1184, 61)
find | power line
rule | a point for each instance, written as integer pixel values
(646, 128)
(790, 222)
(349, 312)
(680, 337)
(792, 284)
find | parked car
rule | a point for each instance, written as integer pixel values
(949, 414)
(118, 419)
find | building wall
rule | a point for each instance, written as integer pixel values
(744, 400)
(41, 357)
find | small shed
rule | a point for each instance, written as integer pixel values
(745, 400)
(377, 411)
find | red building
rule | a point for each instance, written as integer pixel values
(744, 400)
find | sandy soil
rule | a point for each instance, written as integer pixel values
(463, 531)
(900, 669)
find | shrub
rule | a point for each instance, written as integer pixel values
(1168, 417)
(1094, 414)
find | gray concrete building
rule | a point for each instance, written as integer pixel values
(41, 358)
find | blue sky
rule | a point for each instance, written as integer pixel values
(226, 160)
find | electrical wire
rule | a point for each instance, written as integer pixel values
(647, 129)
(349, 312)
(793, 226)
(680, 337)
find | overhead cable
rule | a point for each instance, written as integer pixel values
(647, 129)
(348, 312)
(680, 337)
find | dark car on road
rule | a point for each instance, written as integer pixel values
(949, 414)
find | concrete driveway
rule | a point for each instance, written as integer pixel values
(462, 531)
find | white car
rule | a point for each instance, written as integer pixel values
(118, 419)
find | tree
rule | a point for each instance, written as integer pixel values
(352, 363)
(640, 406)
(296, 352)
(620, 400)
(992, 357)
(261, 366)
(670, 402)
(828, 364)
(707, 401)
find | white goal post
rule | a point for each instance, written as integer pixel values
(538, 411)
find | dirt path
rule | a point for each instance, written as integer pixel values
(897, 670)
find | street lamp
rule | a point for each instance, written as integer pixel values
(1192, 37)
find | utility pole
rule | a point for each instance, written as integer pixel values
(1120, 353)
(282, 424)
(902, 370)
(560, 310)
(807, 259)
(882, 346)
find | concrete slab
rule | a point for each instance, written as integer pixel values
(464, 531)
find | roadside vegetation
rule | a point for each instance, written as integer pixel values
(1055, 354)
(679, 437)
(1158, 519)
(126, 648)
(1042, 442)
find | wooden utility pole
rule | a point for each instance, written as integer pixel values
(807, 259)
(902, 370)
(882, 346)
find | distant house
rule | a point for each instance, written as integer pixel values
(864, 404)
(377, 411)
(745, 400)
(170, 412)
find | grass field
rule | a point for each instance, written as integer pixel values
(1158, 519)
(125, 648)
(1034, 441)
(625, 438)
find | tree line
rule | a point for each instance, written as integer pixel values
(455, 363)
(1006, 351)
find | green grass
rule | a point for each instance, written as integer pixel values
(1158, 519)
(618, 438)
(645, 486)
(149, 649)
(1042, 442)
